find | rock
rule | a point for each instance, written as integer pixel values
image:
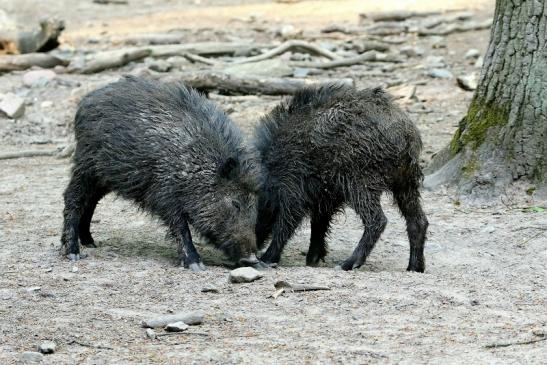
(209, 289)
(288, 31)
(38, 78)
(159, 65)
(301, 72)
(12, 105)
(191, 318)
(270, 68)
(467, 82)
(404, 92)
(33, 289)
(31, 356)
(150, 333)
(47, 347)
(46, 104)
(412, 51)
(479, 62)
(176, 327)
(440, 73)
(244, 275)
(438, 42)
(435, 61)
(472, 54)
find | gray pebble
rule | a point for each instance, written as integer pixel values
(244, 275)
(47, 347)
(31, 357)
(440, 73)
(176, 327)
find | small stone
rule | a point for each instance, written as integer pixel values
(288, 31)
(210, 289)
(38, 77)
(150, 333)
(412, 51)
(301, 72)
(244, 275)
(46, 104)
(47, 347)
(479, 62)
(435, 62)
(440, 73)
(31, 356)
(160, 66)
(12, 105)
(438, 42)
(405, 92)
(33, 289)
(176, 327)
(74, 268)
(467, 82)
(472, 54)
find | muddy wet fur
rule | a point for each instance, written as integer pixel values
(331, 146)
(175, 154)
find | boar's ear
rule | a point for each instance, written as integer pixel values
(227, 168)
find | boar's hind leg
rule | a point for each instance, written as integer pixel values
(369, 209)
(320, 223)
(85, 221)
(409, 204)
(188, 255)
(77, 196)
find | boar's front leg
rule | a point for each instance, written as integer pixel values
(283, 229)
(188, 255)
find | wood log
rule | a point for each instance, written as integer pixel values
(250, 85)
(456, 28)
(108, 59)
(397, 15)
(22, 62)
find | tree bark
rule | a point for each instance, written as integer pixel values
(503, 136)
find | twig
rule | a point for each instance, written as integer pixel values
(290, 45)
(197, 58)
(531, 238)
(531, 227)
(543, 337)
(181, 333)
(27, 153)
(89, 345)
(298, 287)
(370, 56)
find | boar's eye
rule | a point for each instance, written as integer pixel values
(236, 205)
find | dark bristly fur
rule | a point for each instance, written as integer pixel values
(171, 151)
(330, 146)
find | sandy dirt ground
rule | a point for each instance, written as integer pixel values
(483, 297)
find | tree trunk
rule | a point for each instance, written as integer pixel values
(503, 136)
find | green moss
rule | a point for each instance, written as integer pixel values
(473, 128)
(480, 118)
(530, 191)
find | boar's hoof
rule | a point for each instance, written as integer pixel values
(89, 243)
(263, 266)
(350, 264)
(416, 268)
(196, 267)
(313, 259)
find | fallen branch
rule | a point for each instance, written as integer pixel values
(397, 15)
(155, 39)
(204, 49)
(24, 61)
(108, 59)
(250, 85)
(456, 28)
(370, 56)
(298, 287)
(288, 46)
(542, 336)
(26, 154)
(196, 58)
